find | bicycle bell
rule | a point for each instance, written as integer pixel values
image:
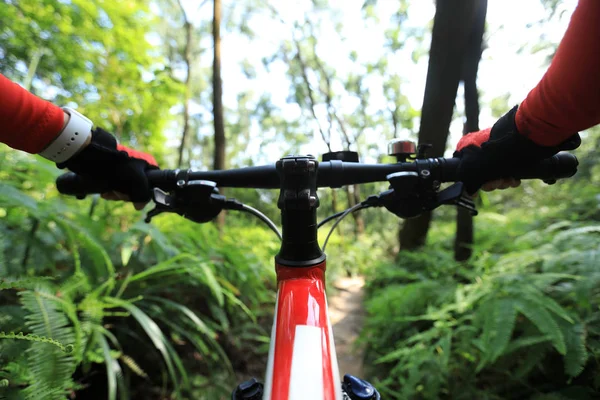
(402, 149)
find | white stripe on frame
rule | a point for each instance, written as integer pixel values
(306, 380)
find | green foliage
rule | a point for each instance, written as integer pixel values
(44, 43)
(50, 368)
(36, 338)
(167, 304)
(176, 310)
(503, 326)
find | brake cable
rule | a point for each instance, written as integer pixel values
(343, 215)
(262, 217)
(326, 220)
(200, 202)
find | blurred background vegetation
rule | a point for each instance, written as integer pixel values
(94, 303)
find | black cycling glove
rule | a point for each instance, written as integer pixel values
(503, 154)
(114, 167)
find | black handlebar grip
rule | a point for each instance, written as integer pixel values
(77, 185)
(561, 165)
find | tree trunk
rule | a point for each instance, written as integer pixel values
(414, 232)
(219, 125)
(334, 200)
(451, 29)
(186, 105)
(464, 221)
(354, 198)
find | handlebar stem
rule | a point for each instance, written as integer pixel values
(298, 202)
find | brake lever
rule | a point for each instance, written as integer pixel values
(408, 197)
(198, 201)
(163, 202)
(455, 194)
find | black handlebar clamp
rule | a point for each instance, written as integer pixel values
(298, 202)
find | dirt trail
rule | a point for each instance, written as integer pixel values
(346, 313)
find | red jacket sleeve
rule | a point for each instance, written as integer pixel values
(567, 99)
(27, 122)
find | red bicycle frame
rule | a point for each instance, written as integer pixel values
(302, 360)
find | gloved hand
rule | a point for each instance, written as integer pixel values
(120, 168)
(493, 154)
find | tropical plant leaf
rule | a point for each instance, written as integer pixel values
(577, 354)
(500, 317)
(50, 368)
(542, 319)
(155, 334)
(112, 368)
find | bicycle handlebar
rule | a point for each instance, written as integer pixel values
(330, 174)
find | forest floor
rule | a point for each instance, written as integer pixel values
(347, 313)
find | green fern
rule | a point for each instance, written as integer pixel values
(577, 354)
(500, 317)
(26, 283)
(535, 296)
(576, 233)
(50, 368)
(524, 342)
(38, 339)
(3, 263)
(543, 320)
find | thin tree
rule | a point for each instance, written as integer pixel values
(218, 120)
(451, 29)
(464, 221)
(187, 57)
(219, 124)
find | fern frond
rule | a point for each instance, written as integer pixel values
(575, 232)
(500, 317)
(543, 320)
(50, 368)
(537, 297)
(3, 263)
(558, 226)
(577, 354)
(74, 285)
(39, 339)
(399, 354)
(521, 343)
(26, 283)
